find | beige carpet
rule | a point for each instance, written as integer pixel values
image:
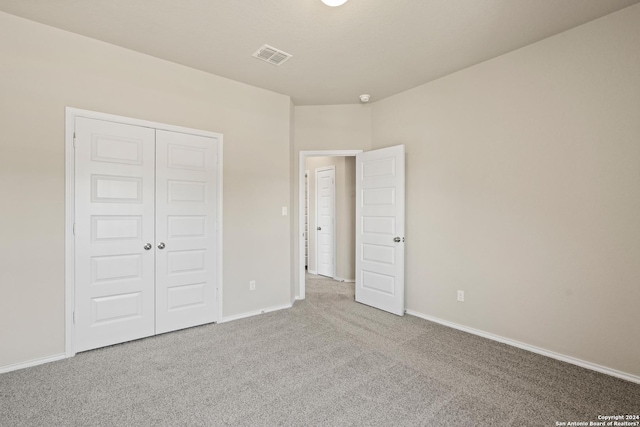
(327, 361)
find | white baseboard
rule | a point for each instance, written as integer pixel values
(254, 313)
(30, 363)
(313, 272)
(531, 348)
(340, 279)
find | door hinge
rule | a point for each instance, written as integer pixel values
(74, 140)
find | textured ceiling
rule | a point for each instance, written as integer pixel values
(380, 47)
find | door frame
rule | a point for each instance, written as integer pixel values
(69, 248)
(333, 216)
(300, 294)
(306, 224)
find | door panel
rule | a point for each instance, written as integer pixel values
(186, 195)
(380, 220)
(114, 192)
(325, 209)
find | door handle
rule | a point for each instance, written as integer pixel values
(398, 239)
(147, 247)
(319, 228)
(161, 245)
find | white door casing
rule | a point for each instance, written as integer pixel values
(380, 198)
(114, 193)
(325, 221)
(185, 230)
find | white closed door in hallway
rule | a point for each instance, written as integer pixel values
(145, 232)
(325, 220)
(380, 229)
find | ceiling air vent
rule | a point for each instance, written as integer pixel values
(271, 55)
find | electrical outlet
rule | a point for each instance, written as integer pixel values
(284, 211)
(461, 296)
(252, 285)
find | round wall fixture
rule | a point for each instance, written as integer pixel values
(364, 98)
(334, 3)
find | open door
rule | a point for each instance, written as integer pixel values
(380, 229)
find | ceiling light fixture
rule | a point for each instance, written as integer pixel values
(334, 3)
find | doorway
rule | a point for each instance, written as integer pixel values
(312, 267)
(379, 225)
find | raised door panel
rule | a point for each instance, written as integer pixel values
(114, 194)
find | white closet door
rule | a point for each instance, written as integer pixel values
(186, 258)
(114, 192)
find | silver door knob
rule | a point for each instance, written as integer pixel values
(161, 245)
(397, 240)
(319, 228)
(147, 247)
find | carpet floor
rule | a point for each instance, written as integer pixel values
(328, 361)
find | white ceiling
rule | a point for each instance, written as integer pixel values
(380, 47)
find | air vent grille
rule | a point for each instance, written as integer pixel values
(271, 55)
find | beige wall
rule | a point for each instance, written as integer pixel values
(44, 70)
(324, 127)
(293, 191)
(345, 213)
(523, 190)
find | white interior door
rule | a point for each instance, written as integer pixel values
(380, 229)
(114, 193)
(186, 259)
(146, 234)
(325, 221)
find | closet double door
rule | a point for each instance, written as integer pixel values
(145, 232)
